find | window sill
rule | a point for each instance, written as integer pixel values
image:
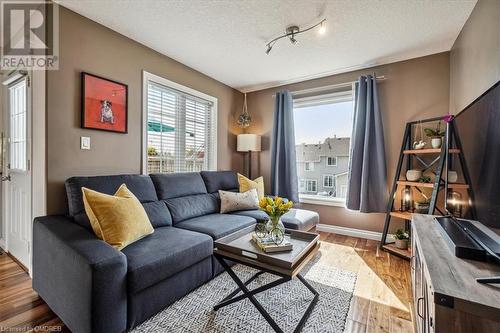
(315, 200)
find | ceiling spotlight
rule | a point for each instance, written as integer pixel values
(293, 31)
(322, 28)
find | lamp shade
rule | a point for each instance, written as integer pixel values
(248, 142)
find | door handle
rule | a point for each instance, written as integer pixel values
(5, 178)
(418, 307)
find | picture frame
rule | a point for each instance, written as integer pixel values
(104, 104)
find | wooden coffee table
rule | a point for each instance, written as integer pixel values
(240, 248)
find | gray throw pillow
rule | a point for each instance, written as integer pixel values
(234, 201)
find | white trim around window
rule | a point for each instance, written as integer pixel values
(152, 78)
(319, 200)
(336, 97)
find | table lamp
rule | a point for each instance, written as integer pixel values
(248, 143)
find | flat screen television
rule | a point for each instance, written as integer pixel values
(477, 235)
(478, 127)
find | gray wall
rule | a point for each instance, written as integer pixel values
(91, 47)
(475, 55)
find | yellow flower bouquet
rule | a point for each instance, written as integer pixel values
(275, 208)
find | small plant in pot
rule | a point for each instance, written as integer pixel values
(401, 238)
(422, 206)
(436, 135)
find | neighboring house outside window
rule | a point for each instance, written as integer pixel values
(330, 177)
(322, 155)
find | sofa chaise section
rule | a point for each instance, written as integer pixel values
(163, 267)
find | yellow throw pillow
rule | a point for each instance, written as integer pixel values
(248, 184)
(118, 219)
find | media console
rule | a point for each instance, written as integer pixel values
(446, 296)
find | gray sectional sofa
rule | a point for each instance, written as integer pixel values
(95, 288)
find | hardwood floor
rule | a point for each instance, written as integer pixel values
(381, 302)
(21, 310)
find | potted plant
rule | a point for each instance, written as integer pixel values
(425, 179)
(436, 135)
(422, 206)
(402, 238)
(275, 208)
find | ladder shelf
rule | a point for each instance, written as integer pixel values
(450, 145)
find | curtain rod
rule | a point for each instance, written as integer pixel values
(332, 86)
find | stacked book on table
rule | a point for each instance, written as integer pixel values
(267, 245)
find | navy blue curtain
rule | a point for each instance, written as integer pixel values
(367, 191)
(283, 162)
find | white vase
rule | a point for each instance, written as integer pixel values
(452, 176)
(413, 175)
(436, 142)
(276, 230)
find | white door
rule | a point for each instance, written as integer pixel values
(16, 170)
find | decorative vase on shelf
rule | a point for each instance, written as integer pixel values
(452, 176)
(436, 142)
(406, 200)
(276, 229)
(413, 175)
(402, 244)
(422, 207)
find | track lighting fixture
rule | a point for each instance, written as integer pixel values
(292, 31)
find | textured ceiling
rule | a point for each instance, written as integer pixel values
(226, 39)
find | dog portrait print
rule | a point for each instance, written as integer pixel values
(104, 104)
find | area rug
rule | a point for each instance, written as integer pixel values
(285, 303)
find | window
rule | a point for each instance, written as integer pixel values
(331, 161)
(180, 127)
(309, 166)
(323, 126)
(329, 181)
(18, 126)
(308, 185)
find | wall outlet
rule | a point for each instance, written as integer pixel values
(85, 142)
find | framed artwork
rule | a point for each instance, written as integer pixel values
(104, 104)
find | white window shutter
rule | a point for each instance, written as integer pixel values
(180, 130)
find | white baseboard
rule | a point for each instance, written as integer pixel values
(352, 232)
(2, 244)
